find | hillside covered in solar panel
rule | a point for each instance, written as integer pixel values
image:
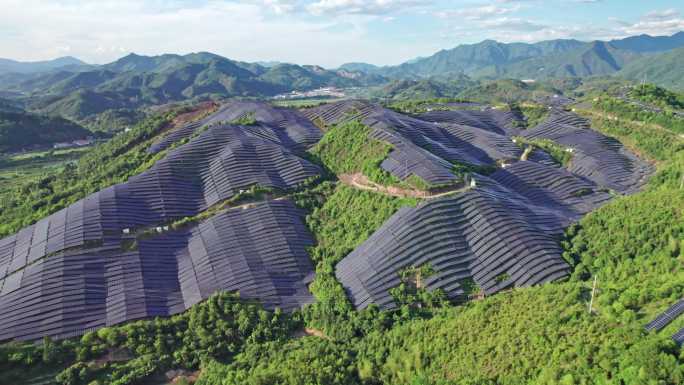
(493, 203)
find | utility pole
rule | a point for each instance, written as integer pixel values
(593, 291)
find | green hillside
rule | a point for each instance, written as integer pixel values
(634, 58)
(507, 91)
(20, 130)
(470, 58)
(422, 89)
(136, 81)
(664, 69)
(599, 58)
(634, 246)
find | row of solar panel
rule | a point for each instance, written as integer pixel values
(501, 234)
(285, 126)
(597, 157)
(260, 252)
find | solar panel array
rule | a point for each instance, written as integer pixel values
(258, 251)
(667, 316)
(289, 126)
(428, 145)
(679, 337)
(595, 156)
(507, 227)
(496, 121)
(95, 263)
(52, 259)
(490, 234)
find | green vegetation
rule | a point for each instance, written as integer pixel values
(557, 152)
(425, 89)
(107, 164)
(634, 246)
(419, 106)
(347, 148)
(16, 169)
(462, 169)
(248, 119)
(308, 360)
(507, 91)
(20, 130)
(112, 121)
(217, 329)
(302, 103)
(341, 219)
(540, 335)
(533, 113)
(617, 119)
(658, 96)
(629, 111)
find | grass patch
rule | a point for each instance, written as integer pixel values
(557, 152)
(348, 148)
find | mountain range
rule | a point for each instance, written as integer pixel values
(13, 66)
(136, 81)
(78, 91)
(547, 59)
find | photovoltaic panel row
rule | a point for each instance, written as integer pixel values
(490, 234)
(259, 252)
(211, 168)
(496, 121)
(667, 316)
(286, 126)
(594, 156)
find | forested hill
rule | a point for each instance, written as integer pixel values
(22, 130)
(332, 177)
(561, 58)
(13, 66)
(136, 81)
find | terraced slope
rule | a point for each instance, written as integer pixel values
(111, 257)
(597, 157)
(284, 126)
(111, 277)
(499, 235)
(502, 233)
(93, 258)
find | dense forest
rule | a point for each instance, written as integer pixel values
(633, 247)
(19, 130)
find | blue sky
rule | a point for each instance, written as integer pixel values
(325, 32)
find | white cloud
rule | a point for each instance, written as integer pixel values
(513, 24)
(476, 13)
(102, 31)
(281, 7)
(665, 22)
(361, 7)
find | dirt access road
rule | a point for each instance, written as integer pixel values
(361, 182)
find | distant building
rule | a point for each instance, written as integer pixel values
(320, 92)
(75, 143)
(59, 145)
(82, 142)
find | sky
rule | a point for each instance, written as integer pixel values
(323, 32)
